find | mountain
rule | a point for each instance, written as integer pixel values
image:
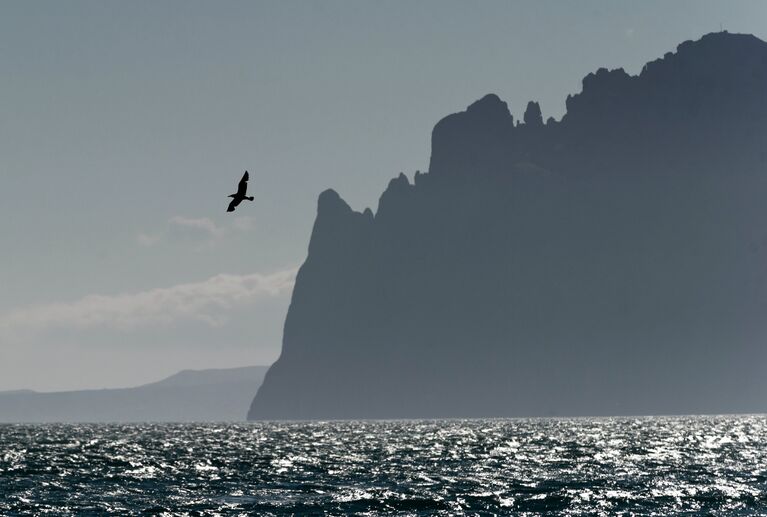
(188, 396)
(613, 262)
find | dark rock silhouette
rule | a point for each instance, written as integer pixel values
(613, 262)
(188, 396)
(533, 116)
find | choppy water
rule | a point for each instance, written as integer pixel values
(642, 466)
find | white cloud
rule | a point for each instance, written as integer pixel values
(202, 230)
(147, 239)
(203, 224)
(243, 223)
(207, 301)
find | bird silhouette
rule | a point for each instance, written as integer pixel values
(242, 188)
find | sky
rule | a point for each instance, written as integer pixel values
(124, 126)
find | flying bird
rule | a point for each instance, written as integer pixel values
(242, 188)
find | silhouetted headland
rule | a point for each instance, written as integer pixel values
(612, 262)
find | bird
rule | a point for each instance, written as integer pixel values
(237, 198)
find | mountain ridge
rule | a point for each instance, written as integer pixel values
(189, 395)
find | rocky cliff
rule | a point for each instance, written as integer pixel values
(612, 262)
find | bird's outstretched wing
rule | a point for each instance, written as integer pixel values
(233, 204)
(242, 188)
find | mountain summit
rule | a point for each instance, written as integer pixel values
(612, 262)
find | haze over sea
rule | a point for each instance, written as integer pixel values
(708, 465)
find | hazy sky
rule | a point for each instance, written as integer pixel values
(124, 126)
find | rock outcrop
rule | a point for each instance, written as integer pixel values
(612, 262)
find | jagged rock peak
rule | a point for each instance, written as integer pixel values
(719, 54)
(330, 202)
(397, 188)
(489, 106)
(695, 81)
(458, 138)
(397, 185)
(400, 181)
(533, 116)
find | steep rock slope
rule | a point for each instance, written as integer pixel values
(612, 262)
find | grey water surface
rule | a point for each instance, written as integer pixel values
(587, 466)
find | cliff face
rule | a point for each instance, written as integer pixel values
(613, 262)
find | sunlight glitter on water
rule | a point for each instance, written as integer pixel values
(637, 466)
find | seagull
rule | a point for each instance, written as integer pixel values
(242, 188)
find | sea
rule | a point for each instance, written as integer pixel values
(696, 465)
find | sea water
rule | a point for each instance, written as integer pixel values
(587, 466)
